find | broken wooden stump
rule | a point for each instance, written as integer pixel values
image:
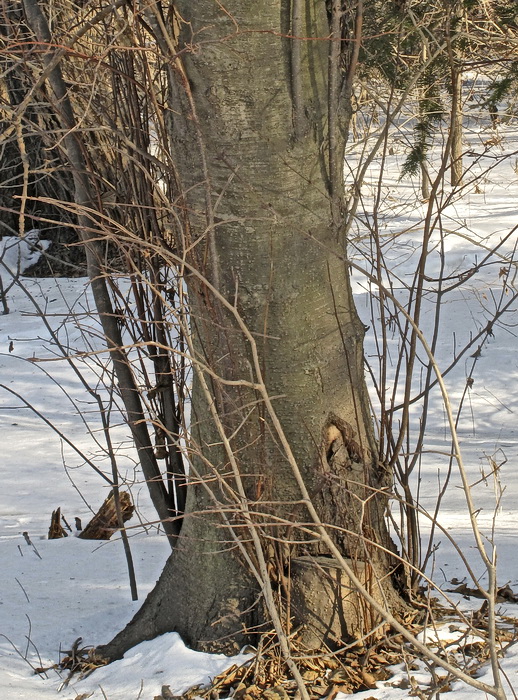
(105, 522)
(56, 529)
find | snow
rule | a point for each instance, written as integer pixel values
(53, 592)
(18, 254)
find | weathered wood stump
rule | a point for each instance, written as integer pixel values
(56, 529)
(105, 522)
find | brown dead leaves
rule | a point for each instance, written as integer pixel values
(325, 675)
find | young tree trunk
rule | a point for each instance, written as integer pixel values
(457, 171)
(263, 233)
(455, 61)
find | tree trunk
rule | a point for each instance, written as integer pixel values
(457, 171)
(258, 186)
(455, 60)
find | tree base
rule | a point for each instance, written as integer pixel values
(325, 601)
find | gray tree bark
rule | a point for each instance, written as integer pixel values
(258, 181)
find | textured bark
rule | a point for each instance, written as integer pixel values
(106, 521)
(264, 208)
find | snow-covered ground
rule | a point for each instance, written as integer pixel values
(54, 591)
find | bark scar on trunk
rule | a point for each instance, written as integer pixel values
(339, 436)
